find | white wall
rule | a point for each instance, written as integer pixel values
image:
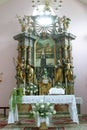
(9, 27)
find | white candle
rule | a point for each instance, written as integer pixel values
(24, 91)
(24, 87)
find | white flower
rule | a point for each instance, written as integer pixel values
(42, 114)
(37, 104)
(31, 92)
(49, 113)
(37, 113)
(42, 106)
(54, 112)
(33, 107)
(34, 112)
(48, 103)
(51, 107)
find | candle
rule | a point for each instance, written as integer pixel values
(24, 91)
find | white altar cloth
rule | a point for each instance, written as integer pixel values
(56, 99)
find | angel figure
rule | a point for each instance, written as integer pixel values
(66, 22)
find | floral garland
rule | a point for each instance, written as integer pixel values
(43, 109)
(31, 89)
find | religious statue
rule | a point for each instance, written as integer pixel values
(43, 60)
(68, 72)
(20, 72)
(66, 22)
(58, 72)
(30, 73)
(26, 24)
(23, 23)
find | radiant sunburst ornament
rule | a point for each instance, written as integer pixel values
(44, 18)
(44, 24)
(44, 14)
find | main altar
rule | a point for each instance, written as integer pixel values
(44, 61)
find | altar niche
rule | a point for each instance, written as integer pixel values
(44, 62)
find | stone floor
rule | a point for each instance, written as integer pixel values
(82, 126)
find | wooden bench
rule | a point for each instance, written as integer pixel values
(4, 108)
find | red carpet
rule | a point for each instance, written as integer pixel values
(52, 128)
(3, 124)
(57, 120)
(62, 120)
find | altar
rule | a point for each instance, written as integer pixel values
(55, 99)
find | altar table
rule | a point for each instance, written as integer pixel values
(56, 99)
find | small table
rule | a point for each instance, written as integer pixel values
(56, 99)
(4, 108)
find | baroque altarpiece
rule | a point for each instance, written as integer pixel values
(44, 55)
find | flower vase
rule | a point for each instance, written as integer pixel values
(41, 123)
(47, 121)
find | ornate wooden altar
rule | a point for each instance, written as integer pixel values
(45, 58)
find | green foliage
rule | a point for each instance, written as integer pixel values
(17, 94)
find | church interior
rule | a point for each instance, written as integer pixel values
(43, 58)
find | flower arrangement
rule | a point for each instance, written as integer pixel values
(31, 89)
(43, 109)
